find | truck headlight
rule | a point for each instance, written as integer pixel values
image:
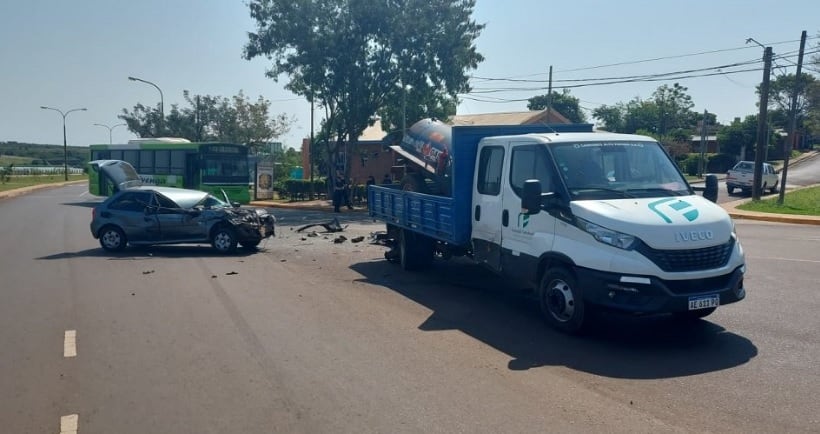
(606, 236)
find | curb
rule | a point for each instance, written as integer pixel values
(23, 190)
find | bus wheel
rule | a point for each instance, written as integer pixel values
(112, 239)
(561, 301)
(224, 240)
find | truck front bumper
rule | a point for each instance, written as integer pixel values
(647, 294)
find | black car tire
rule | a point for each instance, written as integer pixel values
(730, 189)
(224, 240)
(561, 301)
(112, 239)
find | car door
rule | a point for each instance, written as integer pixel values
(175, 223)
(128, 211)
(486, 219)
(525, 237)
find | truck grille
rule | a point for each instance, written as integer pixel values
(689, 260)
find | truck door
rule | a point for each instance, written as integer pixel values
(525, 237)
(486, 228)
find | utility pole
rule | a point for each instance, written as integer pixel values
(702, 162)
(762, 124)
(793, 121)
(310, 150)
(549, 97)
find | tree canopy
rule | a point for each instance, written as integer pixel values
(211, 118)
(667, 115)
(357, 58)
(563, 103)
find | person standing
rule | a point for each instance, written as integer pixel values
(338, 191)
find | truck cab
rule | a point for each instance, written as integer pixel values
(603, 220)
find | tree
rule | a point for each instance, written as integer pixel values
(212, 118)
(563, 103)
(738, 136)
(667, 115)
(781, 90)
(356, 58)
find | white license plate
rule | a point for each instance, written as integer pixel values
(704, 302)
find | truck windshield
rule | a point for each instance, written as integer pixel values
(612, 170)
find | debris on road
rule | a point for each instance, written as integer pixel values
(332, 226)
(357, 239)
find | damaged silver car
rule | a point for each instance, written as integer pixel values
(147, 215)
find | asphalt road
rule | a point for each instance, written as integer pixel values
(308, 335)
(800, 174)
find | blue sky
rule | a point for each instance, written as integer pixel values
(70, 54)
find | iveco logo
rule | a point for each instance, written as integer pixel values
(685, 237)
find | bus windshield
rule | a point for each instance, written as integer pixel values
(618, 170)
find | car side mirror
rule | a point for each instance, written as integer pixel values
(531, 197)
(710, 192)
(236, 204)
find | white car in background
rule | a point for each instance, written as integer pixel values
(742, 176)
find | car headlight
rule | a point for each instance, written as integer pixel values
(607, 236)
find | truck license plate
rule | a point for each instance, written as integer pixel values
(704, 302)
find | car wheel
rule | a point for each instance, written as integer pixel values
(224, 240)
(694, 315)
(730, 189)
(561, 302)
(774, 188)
(112, 239)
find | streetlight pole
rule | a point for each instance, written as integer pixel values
(161, 103)
(109, 130)
(65, 142)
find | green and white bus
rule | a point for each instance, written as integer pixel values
(172, 162)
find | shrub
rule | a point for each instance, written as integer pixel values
(720, 163)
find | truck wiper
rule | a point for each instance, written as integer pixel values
(657, 190)
(622, 193)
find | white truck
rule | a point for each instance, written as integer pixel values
(742, 176)
(590, 220)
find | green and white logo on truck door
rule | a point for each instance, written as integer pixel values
(523, 220)
(673, 207)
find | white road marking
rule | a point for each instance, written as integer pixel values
(70, 343)
(784, 259)
(68, 424)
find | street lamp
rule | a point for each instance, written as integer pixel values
(161, 103)
(65, 143)
(109, 130)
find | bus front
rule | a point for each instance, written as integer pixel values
(225, 167)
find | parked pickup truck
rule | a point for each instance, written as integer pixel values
(742, 176)
(589, 220)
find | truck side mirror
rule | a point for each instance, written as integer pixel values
(531, 198)
(710, 192)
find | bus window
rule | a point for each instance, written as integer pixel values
(146, 162)
(177, 163)
(162, 161)
(132, 157)
(116, 155)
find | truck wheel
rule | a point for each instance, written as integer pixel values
(774, 188)
(561, 302)
(415, 251)
(693, 315)
(730, 189)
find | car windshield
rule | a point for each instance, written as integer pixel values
(210, 201)
(613, 170)
(744, 166)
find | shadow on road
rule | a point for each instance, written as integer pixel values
(88, 204)
(143, 253)
(468, 298)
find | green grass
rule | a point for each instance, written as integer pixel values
(27, 181)
(805, 201)
(6, 160)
